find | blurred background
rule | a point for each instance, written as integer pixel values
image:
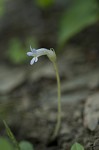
(46, 23)
(28, 99)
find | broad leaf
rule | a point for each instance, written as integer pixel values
(5, 145)
(24, 145)
(79, 15)
(77, 146)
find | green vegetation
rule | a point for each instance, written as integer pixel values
(5, 144)
(17, 52)
(79, 15)
(2, 7)
(77, 146)
(44, 3)
(12, 144)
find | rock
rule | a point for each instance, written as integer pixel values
(91, 112)
(10, 78)
(42, 70)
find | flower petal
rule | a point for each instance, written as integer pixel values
(32, 49)
(32, 61)
(29, 53)
(36, 59)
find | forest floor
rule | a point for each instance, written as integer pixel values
(29, 101)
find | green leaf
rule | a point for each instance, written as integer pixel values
(2, 7)
(77, 146)
(5, 145)
(24, 145)
(44, 3)
(16, 53)
(11, 136)
(79, 15)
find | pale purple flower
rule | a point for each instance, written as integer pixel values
(39, 52)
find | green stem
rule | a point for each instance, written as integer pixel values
(57, 127)
(11, 136)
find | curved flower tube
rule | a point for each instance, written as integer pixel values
(39, 52)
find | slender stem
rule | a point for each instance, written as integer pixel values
(57, 127)
(11, 136)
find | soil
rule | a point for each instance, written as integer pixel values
(30, 109)
(38, 124)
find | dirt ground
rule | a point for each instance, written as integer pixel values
(29, 102)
